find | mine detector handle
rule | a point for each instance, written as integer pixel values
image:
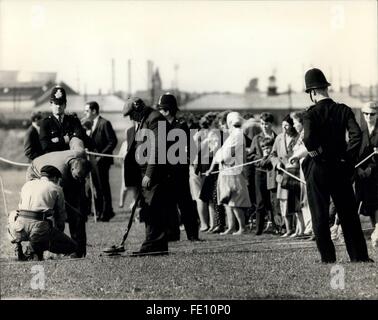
(133, 210)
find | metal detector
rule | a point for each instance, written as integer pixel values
(117, 249)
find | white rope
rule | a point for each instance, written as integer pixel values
(15, 163)
(367, 158)
(3, 193)
(103, 154)
(237, 166)
(291, 175)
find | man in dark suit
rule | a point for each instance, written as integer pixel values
(32, 145)
(328, 169)
(153, 174)
(59, 128)
(105, 141)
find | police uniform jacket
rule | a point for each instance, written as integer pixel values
(52, 132)
(325, 125)
(181, 169)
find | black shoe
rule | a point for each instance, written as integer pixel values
(107, 217)
(77, 255)
(19, 253)
(31, 255)
(173, 238)
(363, 260)
(114, 249)
(194, 239)
(328, 261)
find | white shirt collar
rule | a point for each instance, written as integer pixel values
(57, 117)
(95, 120)
(35, 126)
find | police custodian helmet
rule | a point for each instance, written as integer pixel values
(58, 95)
(168, 102)
(315, 79)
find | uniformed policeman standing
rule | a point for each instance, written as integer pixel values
(179, 178)
(328, 168)
(59, 128)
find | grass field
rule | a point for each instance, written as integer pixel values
(220, 267)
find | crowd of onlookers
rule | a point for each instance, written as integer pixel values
(241, 173)
(262, 196)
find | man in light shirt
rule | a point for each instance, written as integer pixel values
(74, 169)
(40, 218)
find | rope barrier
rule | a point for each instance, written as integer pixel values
(4, 198)
(367, 158)
(292, 175)
(15, 163)
(103, 154)
(237, 166)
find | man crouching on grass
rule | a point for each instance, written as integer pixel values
(40, 218)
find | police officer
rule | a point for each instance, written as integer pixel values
(179, 177)
(329, 166)
(59, 128)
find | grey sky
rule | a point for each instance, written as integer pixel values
(218, 45)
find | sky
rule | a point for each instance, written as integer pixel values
(217, 45)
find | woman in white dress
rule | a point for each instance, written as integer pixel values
(232, 186)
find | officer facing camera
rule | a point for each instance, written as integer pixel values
(59, 128)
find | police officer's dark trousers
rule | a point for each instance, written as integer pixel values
(331, 179)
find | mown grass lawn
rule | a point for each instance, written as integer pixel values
(220, 267)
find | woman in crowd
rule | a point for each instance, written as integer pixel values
(232, 187)
(263, 200)
(287, 190)
(304, 224)
(209, 190)
(367, 173)
(207, 143)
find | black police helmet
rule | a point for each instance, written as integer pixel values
(315, 79)
(58, 95)
(168, 101)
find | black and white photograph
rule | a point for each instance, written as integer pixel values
(188, 154)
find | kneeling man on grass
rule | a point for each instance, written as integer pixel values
(40, 218)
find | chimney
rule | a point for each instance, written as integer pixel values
(113, 76)
(129, 93)
(272, 87)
